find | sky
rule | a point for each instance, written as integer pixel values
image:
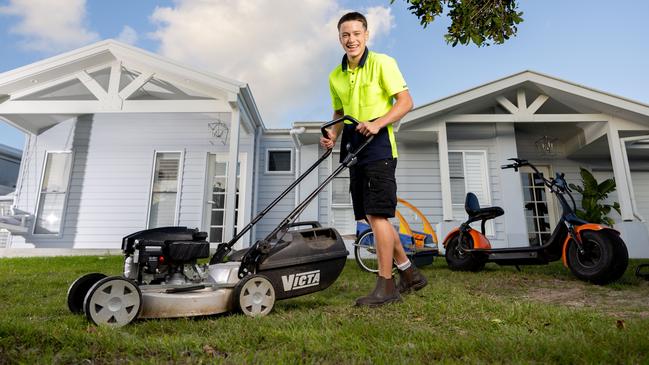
(285, 49)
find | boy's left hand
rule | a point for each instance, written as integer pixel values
(369, 128)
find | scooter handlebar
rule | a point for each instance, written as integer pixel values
(336, 121)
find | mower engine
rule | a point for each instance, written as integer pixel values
(166, 255)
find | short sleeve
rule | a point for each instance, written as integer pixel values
(336, 103)
(391, 79)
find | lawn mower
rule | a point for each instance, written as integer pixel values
(593, 252)
(163, 279)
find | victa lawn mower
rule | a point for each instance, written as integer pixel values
(163, 279)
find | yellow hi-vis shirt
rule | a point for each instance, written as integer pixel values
(366, 93)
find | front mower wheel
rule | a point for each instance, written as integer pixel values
(459, 260)
(254, 296)
(603, 260)
(113, 301)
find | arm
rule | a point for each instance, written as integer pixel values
(402, 106)
(334, 132)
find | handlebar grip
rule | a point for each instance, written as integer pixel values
(336, 121)
(510, 166)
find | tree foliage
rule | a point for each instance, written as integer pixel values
(483, 22)
(592, 196)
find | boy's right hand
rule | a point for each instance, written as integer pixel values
(328, 143)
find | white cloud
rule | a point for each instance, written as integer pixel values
(128, 35)
(50, 25)
(283, 49)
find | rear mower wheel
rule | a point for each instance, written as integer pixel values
(78, 290)
(113, 301)
(254, 296)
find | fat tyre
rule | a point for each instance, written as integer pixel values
(458, 260)
(254, 296)
(365, 252)
(604, 258)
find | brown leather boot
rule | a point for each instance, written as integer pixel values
(385, 292)
(411, 279)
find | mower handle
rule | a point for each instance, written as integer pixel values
(313, 224)
(336, 121)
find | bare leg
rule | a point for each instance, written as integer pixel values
(387, 245)
(399, 254)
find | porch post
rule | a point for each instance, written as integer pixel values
(620, 172)
(444, 173)
(231, 187)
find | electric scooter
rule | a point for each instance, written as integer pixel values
(593, 252)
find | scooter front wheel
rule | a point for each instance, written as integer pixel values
(602, 260)
(460, 260)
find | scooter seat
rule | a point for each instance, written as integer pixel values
(472, 207)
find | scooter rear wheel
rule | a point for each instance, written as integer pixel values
(602, 261)
(459, 260)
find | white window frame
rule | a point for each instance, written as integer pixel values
(490, 227)
(65, 199)
(181, 165)
(207, 196)
(268, 151)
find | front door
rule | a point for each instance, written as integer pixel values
(216, 192)
(539, 206)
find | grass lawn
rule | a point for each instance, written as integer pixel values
(539, 315)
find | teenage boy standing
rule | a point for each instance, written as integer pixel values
(369, 87)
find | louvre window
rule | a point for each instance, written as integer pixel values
(164, 192)
(468, 173)
(54, 188)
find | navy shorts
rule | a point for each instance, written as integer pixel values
(374, 188)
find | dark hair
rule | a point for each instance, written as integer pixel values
(353, 16)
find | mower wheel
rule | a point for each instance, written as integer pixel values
(459, 260)
(113, 301)
(254, 296)
(78, 290)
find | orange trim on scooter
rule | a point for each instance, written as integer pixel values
(479, 240)
(450, 235)
(578, 229)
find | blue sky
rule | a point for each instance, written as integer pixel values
(284, 49)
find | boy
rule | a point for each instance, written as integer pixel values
(364, 87)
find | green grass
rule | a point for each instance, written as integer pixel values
(539, 315)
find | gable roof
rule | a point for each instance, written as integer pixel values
(581, 98)
(69, 73)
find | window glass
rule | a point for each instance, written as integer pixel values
(165, 190)
(53, 192)
(279, 161)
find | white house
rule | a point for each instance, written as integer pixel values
(122, 140)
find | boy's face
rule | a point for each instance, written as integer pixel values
(353, 37)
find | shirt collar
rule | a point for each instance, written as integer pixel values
(361, 63)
